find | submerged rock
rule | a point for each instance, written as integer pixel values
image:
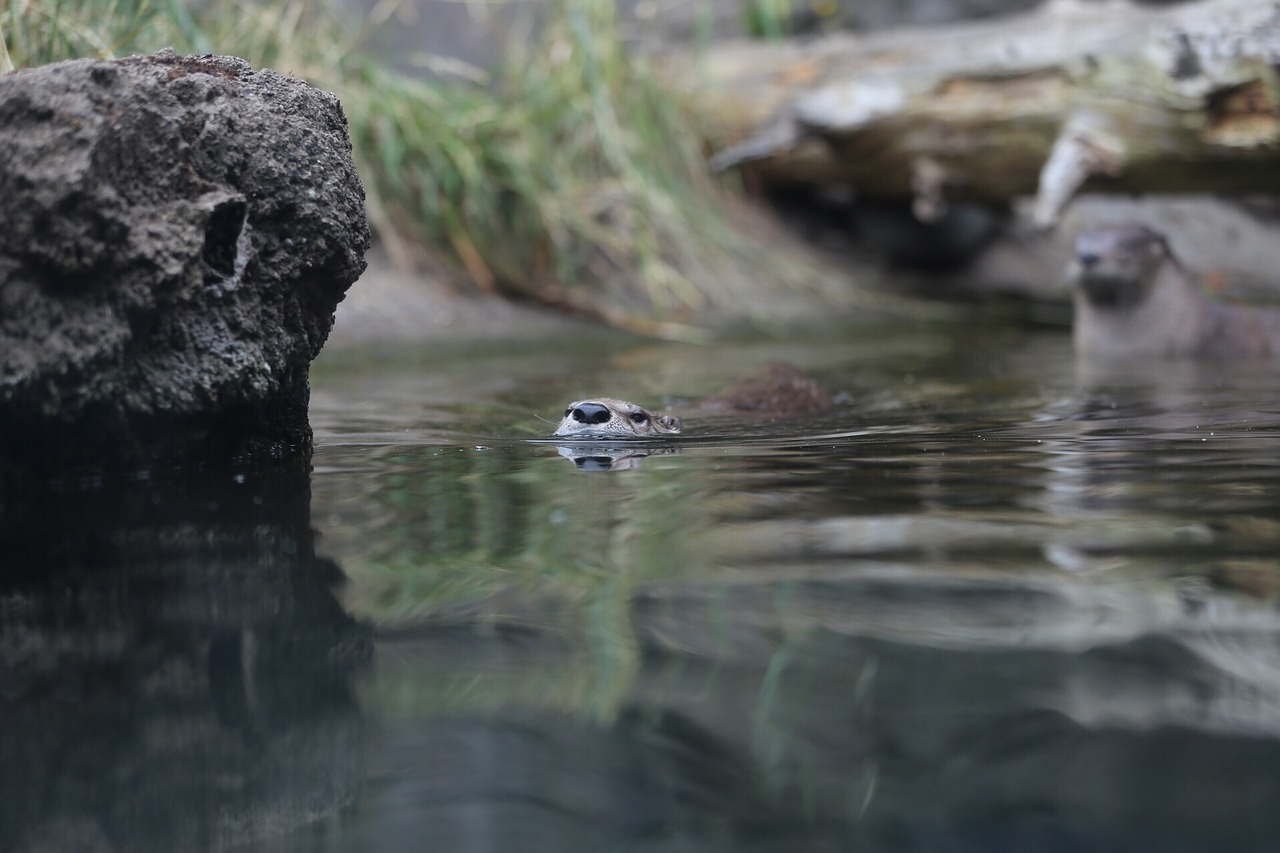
(177, 233)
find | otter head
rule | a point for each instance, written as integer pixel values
(1116, 265)
(603, 417)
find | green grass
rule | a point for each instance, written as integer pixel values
(574, 178)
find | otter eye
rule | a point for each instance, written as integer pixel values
(639, 418)
(568, 411)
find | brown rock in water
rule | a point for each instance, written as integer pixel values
(177, 233)
(1134, 299)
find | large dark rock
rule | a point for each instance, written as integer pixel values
(177, 233)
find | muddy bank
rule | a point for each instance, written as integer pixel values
(390, 307)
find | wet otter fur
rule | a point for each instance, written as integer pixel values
(606, 417)
(777, 392)
(1134, 299)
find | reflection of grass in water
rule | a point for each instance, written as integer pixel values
(573, 177)
(491, 542)
(584, 608)
(414, 687)
(584, 659)
(458, 527)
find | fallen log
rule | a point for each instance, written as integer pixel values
(1107, 96)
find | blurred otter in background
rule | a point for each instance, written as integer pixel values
(1134, 299)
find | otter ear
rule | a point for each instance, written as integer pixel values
(671, 422)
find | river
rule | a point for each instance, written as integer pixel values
(994, 600)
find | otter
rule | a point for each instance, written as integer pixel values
(1134, 299)
(778, 391)
(605, 417)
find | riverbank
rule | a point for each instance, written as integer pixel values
(390, 306)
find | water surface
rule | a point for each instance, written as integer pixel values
(995, 600)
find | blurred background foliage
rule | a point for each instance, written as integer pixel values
(569, 174)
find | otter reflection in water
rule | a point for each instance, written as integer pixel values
(605, 457)
(1134, 299)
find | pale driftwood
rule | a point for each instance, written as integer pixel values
(1183, 99)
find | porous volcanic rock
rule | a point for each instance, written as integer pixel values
(177, 232)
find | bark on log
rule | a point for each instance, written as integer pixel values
(1119, 97)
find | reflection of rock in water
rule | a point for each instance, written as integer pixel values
(174, 668)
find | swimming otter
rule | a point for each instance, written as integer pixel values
(1134, 299)
(778, 391)
(605, 417)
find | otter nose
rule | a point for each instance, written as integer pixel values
(590, 413)
(1087, 259)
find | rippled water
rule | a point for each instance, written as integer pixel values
(995, 600)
